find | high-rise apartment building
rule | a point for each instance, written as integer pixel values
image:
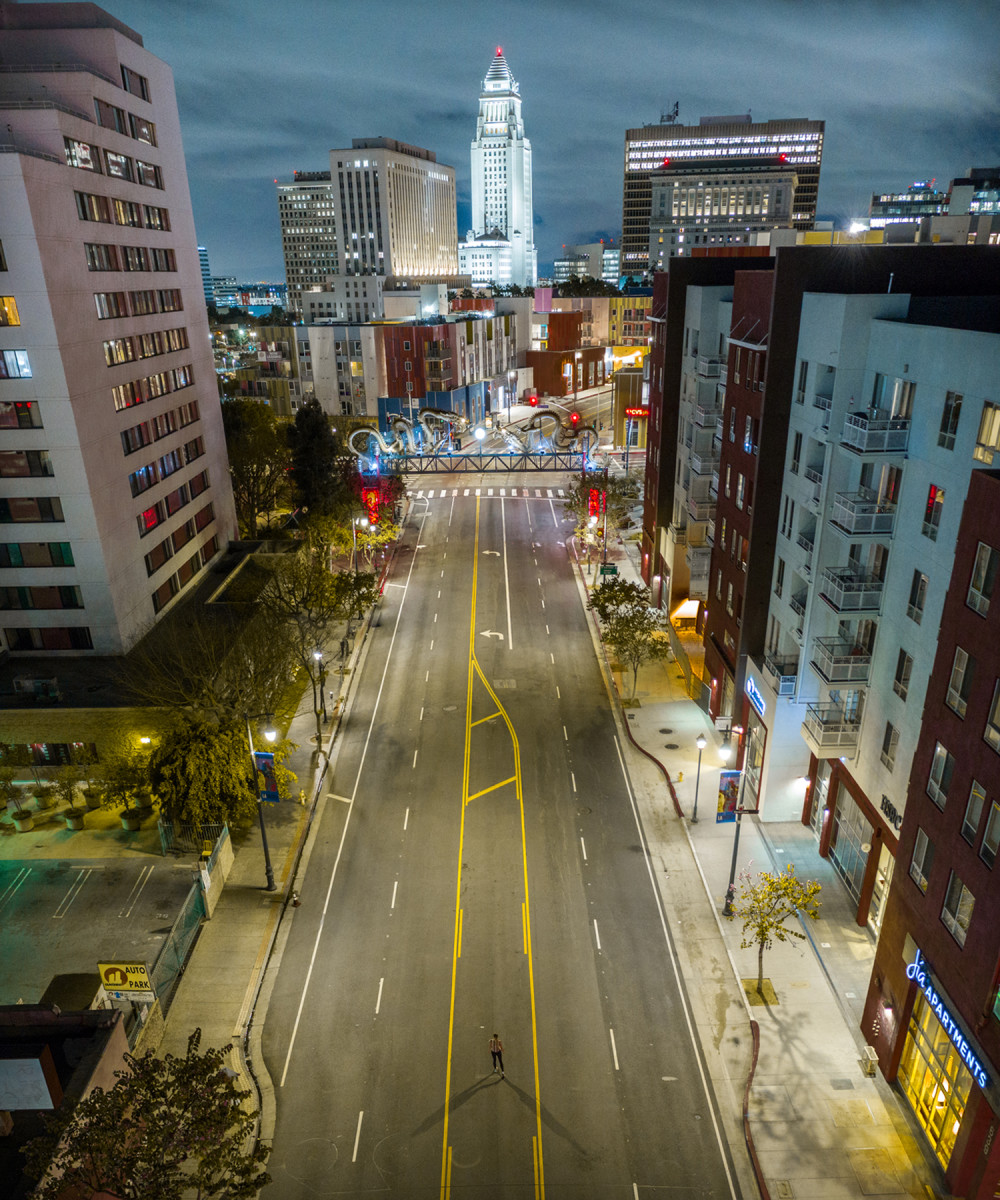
(394, 211)
(718, 153)
(308, 233)
(115, 481)
(501, 172)
(206, 276)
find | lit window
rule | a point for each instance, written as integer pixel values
(932, 511)
(939, 779)
(956, 913)
(988, 437)
(973, 811)
(8, 311)
(923, 857)
(991, 733)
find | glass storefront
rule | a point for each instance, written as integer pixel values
(880, 892)
(820, 791)
(934, 1079)
(753, 761)
(851, 831)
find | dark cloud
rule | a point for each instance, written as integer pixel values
(908, 89)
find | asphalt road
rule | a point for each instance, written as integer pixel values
(63, 917)
(479, 867)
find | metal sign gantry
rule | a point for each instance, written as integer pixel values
(476, 464)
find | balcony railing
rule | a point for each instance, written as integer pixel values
(704, 462)
(861, 512)
(807, 541)
(840, 661)
(848, 590)
(784, 671)
(798, 603)
(827, 727)
(814, 474)
(706, 415)
(873, 433)
(698, 559)
(710, 368)
(701, 510)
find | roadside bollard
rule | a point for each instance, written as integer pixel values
(295, 900)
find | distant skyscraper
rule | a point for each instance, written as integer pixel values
(113, 468)
(206, 276)
(394, 211)
(501, 171)
(695, 164)
(308, 233)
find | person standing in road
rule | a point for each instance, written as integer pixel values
(496, 1049)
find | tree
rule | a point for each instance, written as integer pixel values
(632, 627)
(302, 597)
(765, 904)
(168, 1128)
(210, 664)
(619, 492)
(202, 774)
(315, 452)
(257, 444)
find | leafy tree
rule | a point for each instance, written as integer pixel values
(11, 793)
(169, 1127)
(124, 780)
(621, 493)
(257, 444)
(202, 773)
(765, 904)
(587, 285)
(302, 597)
(315, 452)
(633, 628)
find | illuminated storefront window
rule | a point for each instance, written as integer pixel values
(934, 1079)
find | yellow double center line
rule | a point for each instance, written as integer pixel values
(474, 672)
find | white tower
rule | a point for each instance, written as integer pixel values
(501, 171)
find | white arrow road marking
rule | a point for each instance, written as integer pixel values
(496, 552)
(490, 633)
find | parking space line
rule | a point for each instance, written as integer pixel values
(133, 897)
(11, 890)
(74, 890)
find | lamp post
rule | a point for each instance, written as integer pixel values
(318, 656)
(270, 733)
(363, 522)
(701, 742)
(727, 908)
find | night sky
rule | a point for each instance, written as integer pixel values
(908, 90)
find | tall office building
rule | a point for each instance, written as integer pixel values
(394, 211)
(115, 480)
(501, 172)
(206, 276)
(730, 148)
(308, 233)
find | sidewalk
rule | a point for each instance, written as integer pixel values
(816, 1126)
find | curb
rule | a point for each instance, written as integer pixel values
(754, 1027)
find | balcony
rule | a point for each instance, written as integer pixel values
(848, 590)
(807, 541)
(783, 672)
(840, 661)
(704, 462)
(814, 474)
(798, 603)
(873, 433)
(707, 416)
(859, 513)
(829, 731)
(701, 510)
(709, 368)
(698, 559)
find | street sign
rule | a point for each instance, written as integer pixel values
(126, 980)
(609, 568)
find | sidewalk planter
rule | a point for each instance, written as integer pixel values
(24, 822)
(131, 819)
(74, 820)
(93, 799)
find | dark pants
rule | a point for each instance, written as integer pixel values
(497, 1058)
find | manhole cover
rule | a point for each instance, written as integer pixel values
(671, 746)
(582, 812)
(450, 707)
(666, 731)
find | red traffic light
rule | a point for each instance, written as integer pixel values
(574, 418)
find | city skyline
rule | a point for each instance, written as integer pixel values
(923, 108)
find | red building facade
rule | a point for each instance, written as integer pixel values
(420, 358)
(932, 1012)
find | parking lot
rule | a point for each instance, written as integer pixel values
(60, 916)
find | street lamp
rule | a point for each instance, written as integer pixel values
(270, 733)
(727, 909)
(701, 742)
(363, 522)
(321, 665)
